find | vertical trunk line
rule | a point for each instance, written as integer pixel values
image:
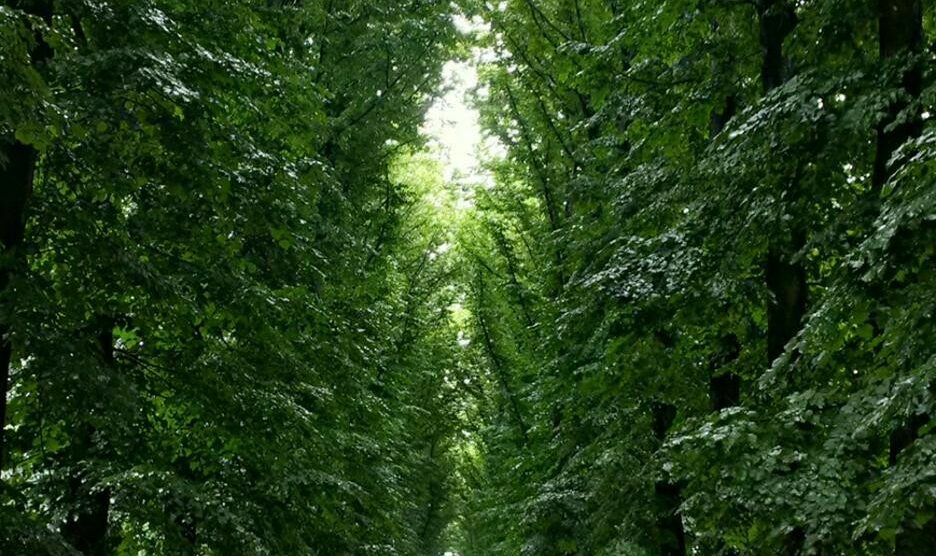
(671, 534)
(501, 374)
(900, 29)
(432, 506)
(724, 387)
(87, 530)
(785, 279)
(17, 167)
(17, 171)
(900, 33)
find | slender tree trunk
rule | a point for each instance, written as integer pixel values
(720, 118)
(429, 530)
(786, 282)
(500, 372)
(900, 32)
(900, 28)
(183, 518)
(17, 168)
(671, 535)
(516, 289)
(87, 529)
(724, 388)
(785, 278)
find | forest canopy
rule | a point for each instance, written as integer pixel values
(682, 305)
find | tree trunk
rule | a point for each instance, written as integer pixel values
(498, 367)
(17, 166)
(725, 387)
(786, 279)
(87, 529)
(900, 33)
(671, 535)
(786, 282)
(900, 28)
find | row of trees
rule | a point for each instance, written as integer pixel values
(703, 286)
(222, 320)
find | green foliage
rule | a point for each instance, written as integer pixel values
(620, 263)
(241, 312)
(227, 336)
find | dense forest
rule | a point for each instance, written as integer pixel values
(686, 308)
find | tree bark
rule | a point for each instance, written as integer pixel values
(786, 282)
(87, 529)
(724, 387)
(900, 29)
(785, 278)
(17, 166)
(671, 535)
(900, 33)
(17, 169)
(500, 372)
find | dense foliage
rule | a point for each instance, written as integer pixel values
(689, 312)
(703, 283)
(220, 327)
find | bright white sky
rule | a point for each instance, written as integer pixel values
(453, 127)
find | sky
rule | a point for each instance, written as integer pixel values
(453, 124)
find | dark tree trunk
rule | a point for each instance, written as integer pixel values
(87, 529)
(17, 168)
(725, 392)
(786, 282)
(776, 20)
(720, 118)
(17, 165)
(785, 278)
(499, 370)
(429, 530)
(672, 540)
(900, 33)
(794, 541)
(725, 387)
(185, 520)
(671, 535)
(900, 29)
